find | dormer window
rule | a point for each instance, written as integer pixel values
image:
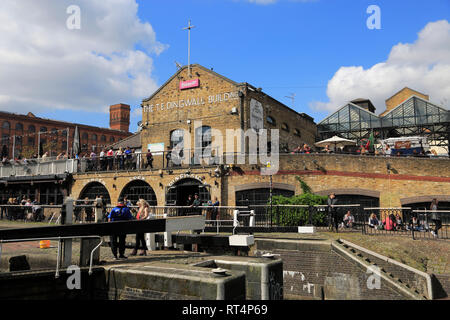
(270, 120)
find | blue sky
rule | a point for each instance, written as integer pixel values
(285, 47)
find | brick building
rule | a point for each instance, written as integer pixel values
(23, 135)
(218, 103)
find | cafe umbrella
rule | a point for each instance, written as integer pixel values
(336, 142)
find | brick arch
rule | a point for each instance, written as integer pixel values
(418, 199)
(350, 191)
(134, 185)
(264, 185)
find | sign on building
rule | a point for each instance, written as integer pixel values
(256, 115)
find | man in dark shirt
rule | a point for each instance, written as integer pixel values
(120, 213)
(332, 211)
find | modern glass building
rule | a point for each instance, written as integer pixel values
(413, 117)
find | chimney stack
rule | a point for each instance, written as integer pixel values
(119, 117)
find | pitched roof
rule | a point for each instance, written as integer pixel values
(133, 141)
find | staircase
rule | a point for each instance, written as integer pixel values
(411, 283)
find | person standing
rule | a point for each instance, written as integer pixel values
(215, 209)
(120, 213)
(149, 160)
(195, 204)
(435, 218)
(98, 209)
(110, 156)
(88, 211)
(142, 214)
(332, 212)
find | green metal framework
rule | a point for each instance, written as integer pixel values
(413, 117)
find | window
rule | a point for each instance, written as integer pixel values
(203, 137)
(112, 140)
(19, 127)
(94, 137)
(31, 129)
(176, 137)
(64, 133)
(85, 136)
(6, 126)
(31, 141)
(43, 129)
(64, 145)
(54, 131)
(297, 133)
(103, 138)
(285, 127)
(270, 120)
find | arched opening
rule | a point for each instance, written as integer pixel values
(425, 205)
(363, 200)
(138, 189)
(94, 189)
(178, 193)
(259, 196)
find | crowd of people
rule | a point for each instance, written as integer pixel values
(25, 210)
(361, 150)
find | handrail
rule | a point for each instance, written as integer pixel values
(59, 247)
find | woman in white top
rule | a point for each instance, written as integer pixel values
(141, 215)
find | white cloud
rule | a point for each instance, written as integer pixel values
(423, 66)
(44, 65)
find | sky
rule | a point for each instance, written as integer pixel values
(122, 50)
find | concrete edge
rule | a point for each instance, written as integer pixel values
(337, 246)
(402, 265)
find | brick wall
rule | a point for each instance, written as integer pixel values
(314, 271)
(343, 174)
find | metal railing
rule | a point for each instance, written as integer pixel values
(58, 259)
(404, 221)
(138, 161)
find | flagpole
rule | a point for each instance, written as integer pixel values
(39, 144)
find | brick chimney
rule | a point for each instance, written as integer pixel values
(119, 117)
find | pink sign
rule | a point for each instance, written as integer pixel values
(194, 83)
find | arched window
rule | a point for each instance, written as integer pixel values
(85, 136)
(270, 120)
(54, 131)
(19, 127)
(103, 138)
(203, 138)
(94, 137)
(285, 127)
(176, 138)
(43, 129)
(31, 141)
(6, 126)
(31, 129)
(112, 139)
(297, 132)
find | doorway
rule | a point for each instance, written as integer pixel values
(177, 195)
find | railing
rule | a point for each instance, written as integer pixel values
(58, 259)
(137, 161)
(407, 222)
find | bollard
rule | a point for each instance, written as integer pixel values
(67, 243)
(167, 239)
(252, 218)
(150, 240)
(235, 218)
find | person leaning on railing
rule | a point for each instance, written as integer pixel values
(435, 217)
